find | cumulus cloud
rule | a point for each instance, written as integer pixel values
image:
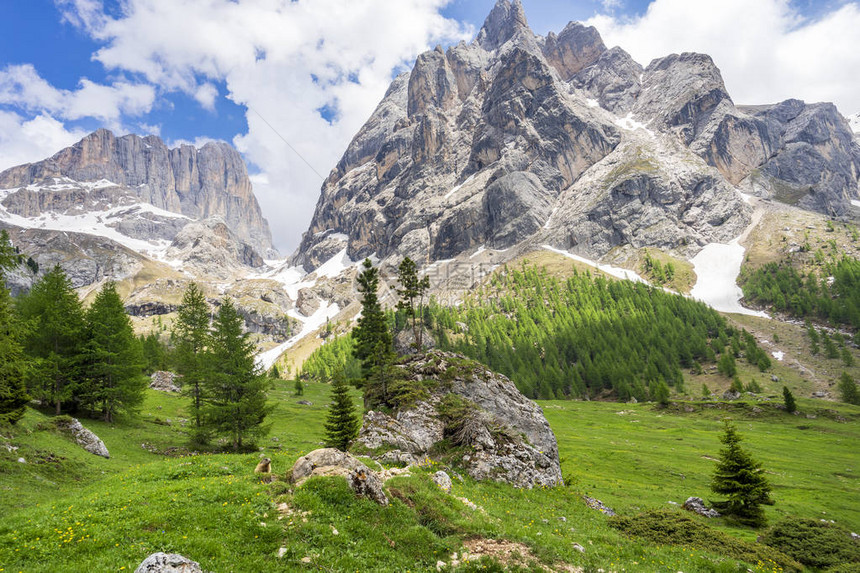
(22, 86)
(766, 50)
(283, 61)
(25, 140)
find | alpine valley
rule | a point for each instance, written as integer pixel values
(618, 257)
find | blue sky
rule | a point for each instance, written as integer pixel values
(259, 72)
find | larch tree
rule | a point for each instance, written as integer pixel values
(788, 400)
(373, 339)
(54, 339)
(848, 390)
(191, 338)
(741, 479)
(13, 392)
(236, 388)
(113, 379)
(412, 291)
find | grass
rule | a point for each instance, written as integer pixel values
(75, 511)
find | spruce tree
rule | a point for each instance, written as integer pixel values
(54, 338)
(412, 291)
(848, 390)
(788, 399)
(112, 358)
(13, 393)
(742, 480)
(342, 424)
(373, 340)
(235, 406)
(660, 394)
(191, 338)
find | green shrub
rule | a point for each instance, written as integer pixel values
(674, 528)
(813, 543)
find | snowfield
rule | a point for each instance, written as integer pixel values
(325, 312)
(717, 267)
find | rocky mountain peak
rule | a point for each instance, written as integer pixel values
(211, 181)
(516, 141)
(506, 20)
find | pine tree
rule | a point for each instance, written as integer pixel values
(191, 338)
(848, 390)
(741, 479)
(411, 302)
(342, 424)
(788, 399)
(236, 389)
(373, 340)
(660, 393)
(13, 393)
(112, 358)
(54, 338)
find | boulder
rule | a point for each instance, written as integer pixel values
(731, 395)
(506, 436)
(598, 505)
(443, 480)
(697, 505)
(84, 437)
(168, 563)
(333, 462)
(164, 381)
(404, 341)
(307, 303)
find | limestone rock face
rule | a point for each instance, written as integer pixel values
(84, 437)
(506, 435)
(516, 140)
(103, 169)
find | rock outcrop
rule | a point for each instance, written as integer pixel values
(516, 140)
(84, 437)
(168, 563)
(497, 432)
(697, 505)
(333, 462)
(164, 381)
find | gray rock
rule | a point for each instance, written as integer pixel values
(168, 563)
(697, 505)
(404, 341)
(84, 437)
(598, 505)
(731, 395)
(509, 438)
(333, 462)
(164, 381)
(443, 480)
(307, 302)
(305, 403)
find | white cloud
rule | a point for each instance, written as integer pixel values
(22, 86)
(283, 61)
(766, 51)
(27, 141)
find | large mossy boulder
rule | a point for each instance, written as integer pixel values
(457, 410)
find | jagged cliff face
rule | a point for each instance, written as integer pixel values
(521, 140)
(102, 171)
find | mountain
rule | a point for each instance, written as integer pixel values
(146, 190)
(515, 141)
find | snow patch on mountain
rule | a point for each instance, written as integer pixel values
(717, 267)
(326, 311)
(616, 272)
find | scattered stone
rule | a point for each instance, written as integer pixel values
(774, 378)
(306, 559)
(387, 474)
(333, 462)
(598, 505)
(820, 394)
(731, 395)
(579, 547)
(697, 505)
(85, 438)
(305, 403)
(468, 503)
(22, 461)
(443, 480)
(168, 563)
(164, 381)
(281, 552)
(563, 519)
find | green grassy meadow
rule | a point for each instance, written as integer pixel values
(67, 510)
